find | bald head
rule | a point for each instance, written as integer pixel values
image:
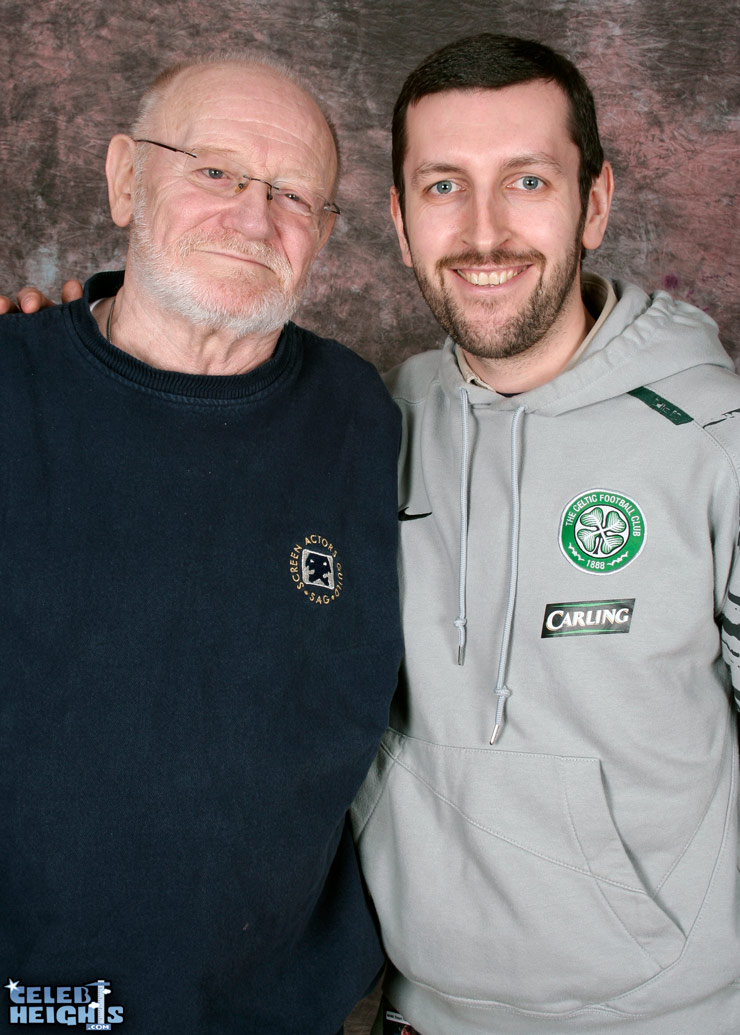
(163, 91)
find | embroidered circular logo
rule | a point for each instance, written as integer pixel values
(316, 570)
(602, 531)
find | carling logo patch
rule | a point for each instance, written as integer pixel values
(587, 617)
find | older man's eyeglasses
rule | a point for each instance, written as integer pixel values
(215, 172)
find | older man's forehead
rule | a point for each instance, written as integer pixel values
(224, 107)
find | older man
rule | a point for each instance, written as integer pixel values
(200, 630)
(550, 831)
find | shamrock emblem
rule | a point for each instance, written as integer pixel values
(602, 531)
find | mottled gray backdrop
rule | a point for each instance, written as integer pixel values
(665, 74)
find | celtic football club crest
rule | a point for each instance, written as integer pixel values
(602, 531)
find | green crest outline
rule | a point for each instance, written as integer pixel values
(601, 531)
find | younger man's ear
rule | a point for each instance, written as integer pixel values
(397, 217)
(599, 203)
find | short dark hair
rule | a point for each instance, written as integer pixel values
(490, 61)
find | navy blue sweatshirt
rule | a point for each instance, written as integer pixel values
(200, 638)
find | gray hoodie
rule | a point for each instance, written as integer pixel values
(570, 581)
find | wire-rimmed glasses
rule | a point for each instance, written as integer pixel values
(216, 172)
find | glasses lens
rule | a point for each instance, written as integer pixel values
(297, 202)
(213, 172)
(217, 173)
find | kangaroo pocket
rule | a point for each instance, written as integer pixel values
(500, 876)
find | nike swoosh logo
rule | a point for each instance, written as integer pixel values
(403, 515)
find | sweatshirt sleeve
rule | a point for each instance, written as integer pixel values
(730, 626)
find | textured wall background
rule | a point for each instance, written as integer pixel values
(665, 73)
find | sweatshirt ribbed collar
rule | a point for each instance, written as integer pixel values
(202, 387)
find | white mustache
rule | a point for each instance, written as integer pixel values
(233, 242)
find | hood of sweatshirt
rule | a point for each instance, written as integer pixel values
(644, 339)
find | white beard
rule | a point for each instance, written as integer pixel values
(234, 303)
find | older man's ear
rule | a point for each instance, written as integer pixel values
(30, 299)
(119, 170)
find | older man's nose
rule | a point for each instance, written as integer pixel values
(251, 209)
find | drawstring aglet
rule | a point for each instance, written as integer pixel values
(503, 693)
(460, 624)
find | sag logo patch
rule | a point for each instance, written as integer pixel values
(584, 617)
(316, 570)
(602, 531)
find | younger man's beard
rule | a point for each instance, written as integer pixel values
(524, 329)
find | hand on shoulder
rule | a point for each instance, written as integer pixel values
(30, 299)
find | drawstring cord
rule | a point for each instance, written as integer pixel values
(461, 621)
(502, 691)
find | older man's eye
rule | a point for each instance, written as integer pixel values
(214, 179)
(296, 201)
(293, 198)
